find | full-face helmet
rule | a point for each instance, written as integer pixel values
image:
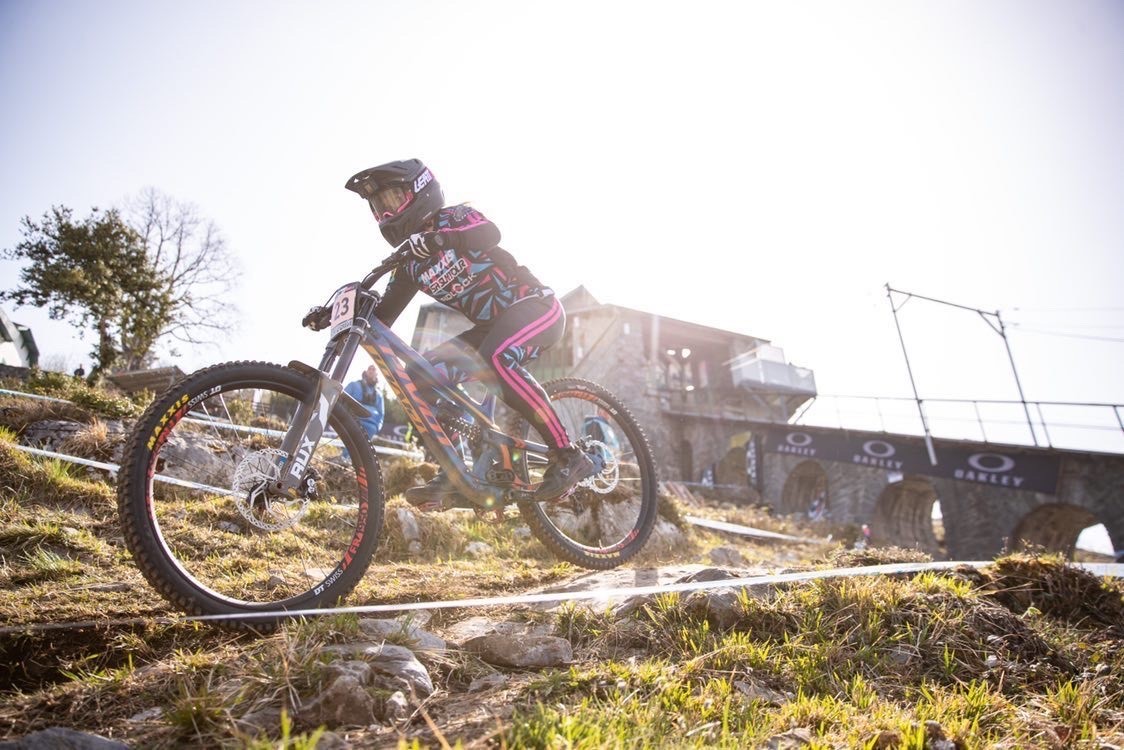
(403, 196)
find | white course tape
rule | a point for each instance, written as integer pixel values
(1114, 570)
(111, 468)
(1105, 569)
(734, 528)
(36, 396)
(114, 468)
(378, 449)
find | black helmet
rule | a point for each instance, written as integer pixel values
(403, 196)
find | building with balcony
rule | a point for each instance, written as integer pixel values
(694, 388)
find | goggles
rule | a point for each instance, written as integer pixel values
(389, 202)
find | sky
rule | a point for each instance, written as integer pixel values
(765, 168)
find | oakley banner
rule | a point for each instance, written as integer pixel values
(996, 467)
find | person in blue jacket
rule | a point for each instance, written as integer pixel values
(367, 392)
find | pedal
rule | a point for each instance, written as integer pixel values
(500, 476)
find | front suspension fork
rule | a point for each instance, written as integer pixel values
(308, 426)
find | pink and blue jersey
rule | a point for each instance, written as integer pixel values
(471, 273)
(515, 316)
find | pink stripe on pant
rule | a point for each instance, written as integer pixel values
(521, 387)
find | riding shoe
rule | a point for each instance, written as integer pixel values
(567, 466)
(435, 490)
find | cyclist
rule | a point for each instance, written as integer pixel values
(455, 257)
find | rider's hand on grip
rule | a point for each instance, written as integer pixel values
(424, 244)
(317, 318)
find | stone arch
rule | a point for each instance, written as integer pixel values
(802, 486)
(1054, 526)
(903, 516)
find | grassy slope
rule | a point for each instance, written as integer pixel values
(1028, 654)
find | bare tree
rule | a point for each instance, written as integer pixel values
(199, 272)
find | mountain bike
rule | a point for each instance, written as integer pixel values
(232, 500)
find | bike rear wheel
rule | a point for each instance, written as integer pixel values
(201, 533)
(607, 519)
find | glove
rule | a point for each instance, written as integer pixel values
(317, 318)
(423, 244)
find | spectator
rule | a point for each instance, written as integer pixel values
(367, 392)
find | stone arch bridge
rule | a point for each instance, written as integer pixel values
(992, 497)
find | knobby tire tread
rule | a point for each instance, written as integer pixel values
(136, 451)
(552, 538)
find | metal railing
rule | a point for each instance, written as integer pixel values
(1055, 424)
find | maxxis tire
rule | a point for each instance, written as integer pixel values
(136, 508)
(547, 533)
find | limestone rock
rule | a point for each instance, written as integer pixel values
(332, 741)
(49, 434)
(395, 662)
(198, 457)
(344, 703)
(260, 721)
(61, 738)
(487, 682)
(707, 574)
(718, 606)
(478, 549)
(414, 636)
(753, 691)
(790, 740)
(411, 532)
(630, 606)
(360, 671)
(475, 627)
(727, 557)
(396, 708)
(522, 651)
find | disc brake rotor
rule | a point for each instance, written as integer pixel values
(607, 479)
(258, 507)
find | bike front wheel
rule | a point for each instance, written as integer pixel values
(196, 521)
(608, 517)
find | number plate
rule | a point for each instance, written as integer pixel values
(343, 309)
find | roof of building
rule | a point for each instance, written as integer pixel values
(580, 300)
(157, 379)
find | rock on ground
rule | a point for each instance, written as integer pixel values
(395, 662)
(61, 738)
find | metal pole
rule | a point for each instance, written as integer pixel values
(912, 382)
(976, 406)
(1045, 429)
(1022, 398)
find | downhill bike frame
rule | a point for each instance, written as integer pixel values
(495, 479)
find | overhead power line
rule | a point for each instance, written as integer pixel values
(1063, 334)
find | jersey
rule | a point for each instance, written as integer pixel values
(470, 272)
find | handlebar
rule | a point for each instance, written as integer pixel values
(389, 263)
(318, 317)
